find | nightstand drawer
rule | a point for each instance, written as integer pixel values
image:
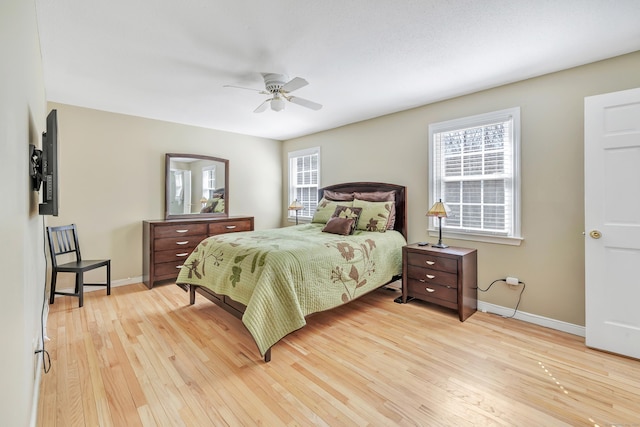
(428, 292)
(429, 276)
(433, 262)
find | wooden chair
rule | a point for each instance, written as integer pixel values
(63, 240)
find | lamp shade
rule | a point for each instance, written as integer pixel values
(295, 206)
(439, 209)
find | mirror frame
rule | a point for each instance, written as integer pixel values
(167, 186)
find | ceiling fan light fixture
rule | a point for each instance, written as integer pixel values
(277, 104)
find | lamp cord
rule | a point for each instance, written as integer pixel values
(519, 296)
(46, 363)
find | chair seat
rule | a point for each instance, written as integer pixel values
(83, 265)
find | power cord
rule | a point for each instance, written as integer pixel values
(515, 310)
(46, 363)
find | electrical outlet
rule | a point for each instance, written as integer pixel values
(512, 281)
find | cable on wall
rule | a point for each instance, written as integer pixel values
(46, 363)
(515, 310)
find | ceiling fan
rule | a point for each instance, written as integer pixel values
(277, 86)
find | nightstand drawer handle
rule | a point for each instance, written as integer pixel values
(429, 290)
(183, 254)
(231, 227)
(430, 276)
(182, 231)
(430, 262)
(182, 243)
(179, 266)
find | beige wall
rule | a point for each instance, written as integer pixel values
(22, 119)
(112, 178)
(550, 260)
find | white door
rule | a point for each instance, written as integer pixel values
(612, 221)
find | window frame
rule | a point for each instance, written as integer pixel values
(310, 209)
(208, 191)
(513, 236)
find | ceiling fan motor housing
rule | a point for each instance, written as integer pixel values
(273, 82)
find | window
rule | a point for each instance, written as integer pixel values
(475, 171)
(208, 182)
(304, 180)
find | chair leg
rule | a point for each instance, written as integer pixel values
(80, 287)
(52, 291)
(109, 277)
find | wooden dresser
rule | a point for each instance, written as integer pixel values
(167, 243)
(447, 277)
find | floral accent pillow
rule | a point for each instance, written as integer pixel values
(348, 212)
(325, 210)
(374, 216)
(381, 196)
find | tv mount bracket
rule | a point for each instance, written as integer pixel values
(35, 167)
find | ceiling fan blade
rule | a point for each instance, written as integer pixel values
(294, 84)
(305, 102)
(248, 88)
(262, 107)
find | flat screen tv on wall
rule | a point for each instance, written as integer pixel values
(44, 167)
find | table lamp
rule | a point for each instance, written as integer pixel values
(296, 206)
(439, 210)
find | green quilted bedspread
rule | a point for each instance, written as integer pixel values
(283, 275)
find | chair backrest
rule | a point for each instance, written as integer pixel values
(63, 240)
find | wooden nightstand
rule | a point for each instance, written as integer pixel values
(447, 277)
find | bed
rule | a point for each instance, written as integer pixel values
(273, 279)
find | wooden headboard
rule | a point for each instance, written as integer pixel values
(369, 187)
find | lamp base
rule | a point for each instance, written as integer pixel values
(439, 245)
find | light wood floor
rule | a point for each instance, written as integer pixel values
(145, 357)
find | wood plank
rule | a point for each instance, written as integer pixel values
(147, 357)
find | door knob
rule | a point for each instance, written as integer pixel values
(595, 234)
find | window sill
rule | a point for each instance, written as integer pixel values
(300, 220)
(500, 240)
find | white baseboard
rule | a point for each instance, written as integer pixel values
(114, 284)
(532, 318)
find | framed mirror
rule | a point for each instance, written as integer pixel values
(195, 186)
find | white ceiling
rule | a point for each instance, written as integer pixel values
(169, 60)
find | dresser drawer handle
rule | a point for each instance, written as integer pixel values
(231, 227)
(182, 243)
(181, 231)
(430, 262)
(430, 276)
(429, 290)
(183, 254)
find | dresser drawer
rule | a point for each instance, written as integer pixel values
(433, 262)
(182, 243)
(172, 255)
(429, 292)
(429, 276)
(180, 230)
(168, 270)
(229, 227)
